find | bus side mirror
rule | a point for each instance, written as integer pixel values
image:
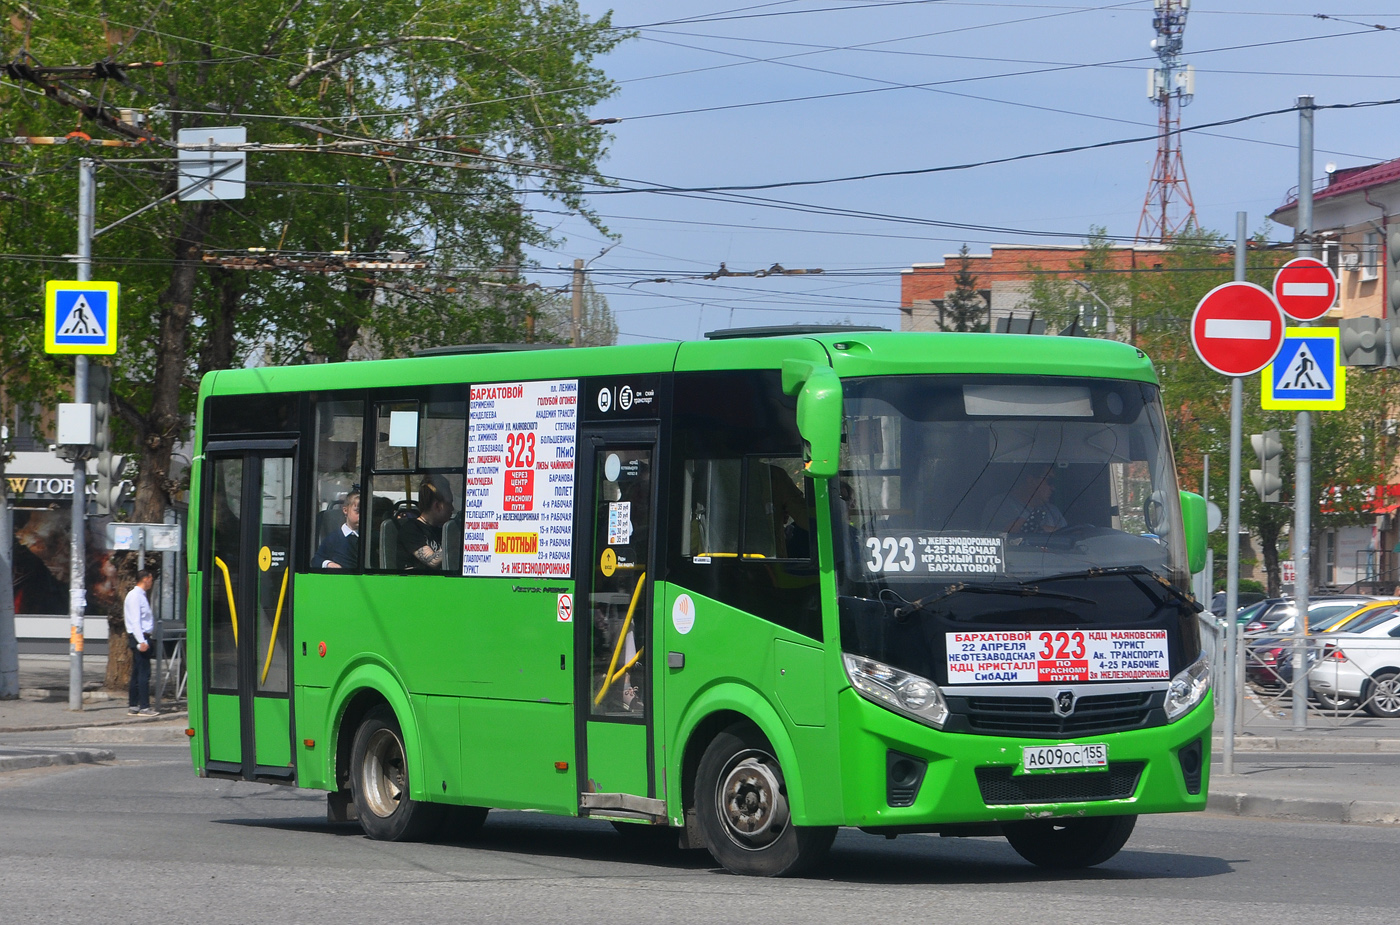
(1193, 519)
(818, 391)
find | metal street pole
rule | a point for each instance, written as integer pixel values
(578, 302)
(1232, 539)
(77, 566)
(1302, 479)
(9, 647)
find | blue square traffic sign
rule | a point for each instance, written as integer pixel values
(1307, 374)
(80, 317)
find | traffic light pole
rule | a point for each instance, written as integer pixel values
(77, 552)
(1302, 488)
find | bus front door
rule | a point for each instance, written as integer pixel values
(617, 776)
(247, 617)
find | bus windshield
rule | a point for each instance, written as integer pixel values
(1007, 502)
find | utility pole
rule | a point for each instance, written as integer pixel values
(1302, 486)
(9, 647)
(77, 566)
(1232, 538)
(578, 302)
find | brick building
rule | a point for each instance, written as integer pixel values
(1004, 278)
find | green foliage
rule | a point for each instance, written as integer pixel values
(428, 127)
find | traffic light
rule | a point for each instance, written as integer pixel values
(1363, 342)
(109, 487)
(1392, 271)
(1267, 481)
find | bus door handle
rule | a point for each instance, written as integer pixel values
(675, 659)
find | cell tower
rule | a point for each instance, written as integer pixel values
(1168, 208)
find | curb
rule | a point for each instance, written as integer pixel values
(1335, 745)
(1356, 812)
(47, 759)
(48, 693)
(125, 720)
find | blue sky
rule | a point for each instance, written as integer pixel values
(697, 92)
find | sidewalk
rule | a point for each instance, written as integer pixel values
(1330, 773)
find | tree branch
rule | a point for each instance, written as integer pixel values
(340, 56)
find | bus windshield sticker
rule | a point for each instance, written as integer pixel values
(940, 554)
(1057, 656)
(518, 507)
(619, 523)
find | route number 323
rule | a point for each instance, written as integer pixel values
(892, 554)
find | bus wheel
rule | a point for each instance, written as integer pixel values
(1067, 844)
(379, 782)
(742, 809)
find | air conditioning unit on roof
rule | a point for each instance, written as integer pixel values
(1351, 261)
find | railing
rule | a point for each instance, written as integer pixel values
(1270, 683)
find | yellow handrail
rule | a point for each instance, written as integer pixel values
(621, 638)
(276, 619)
(628, 667)
(228, 588)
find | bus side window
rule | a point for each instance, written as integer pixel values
(711, 507)
(339, 439)
(777, 522)
(417, 443)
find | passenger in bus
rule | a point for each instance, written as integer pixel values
(420, 539)
(341, 547)
(790, 520)
(1027, 508)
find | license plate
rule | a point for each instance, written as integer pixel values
(1060, 757)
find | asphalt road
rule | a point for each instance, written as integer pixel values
(144, 841)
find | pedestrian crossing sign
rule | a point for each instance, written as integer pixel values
(80, 317)
(1307, 374)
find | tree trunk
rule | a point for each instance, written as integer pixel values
(162, 425)
(218, 348)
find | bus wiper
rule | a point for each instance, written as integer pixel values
(1136, 574)
(967, 587)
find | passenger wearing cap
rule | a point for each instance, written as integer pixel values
(420, 539)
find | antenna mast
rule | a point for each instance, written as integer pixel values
(1168, 208)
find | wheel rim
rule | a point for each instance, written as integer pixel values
(1387, 694)
(383, 774)
(753, 807)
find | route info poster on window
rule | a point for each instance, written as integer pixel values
(518, 507)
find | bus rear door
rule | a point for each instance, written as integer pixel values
(247, 608)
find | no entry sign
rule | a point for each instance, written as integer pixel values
(1305, 288)
(1237, 329)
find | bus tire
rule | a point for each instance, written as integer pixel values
(380, 786)
(742, 809)
(1069, 844)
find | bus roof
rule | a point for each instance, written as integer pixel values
(851, 353)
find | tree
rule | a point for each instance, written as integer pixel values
(964, 309)
(414, 126)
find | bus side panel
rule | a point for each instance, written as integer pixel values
(271, 722)
(442, 756)
(225, 744)
(509, 752)
(611, 751)
(720, 675)
(313, 762)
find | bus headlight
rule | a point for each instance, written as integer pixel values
(915, 697)
(1188, 688)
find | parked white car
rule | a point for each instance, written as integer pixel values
(1360, 667)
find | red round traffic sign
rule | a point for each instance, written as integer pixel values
(1237, 329)
(1305, 288)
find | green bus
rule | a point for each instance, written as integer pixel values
(735, 592)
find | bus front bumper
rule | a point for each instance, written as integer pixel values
(956, 778)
